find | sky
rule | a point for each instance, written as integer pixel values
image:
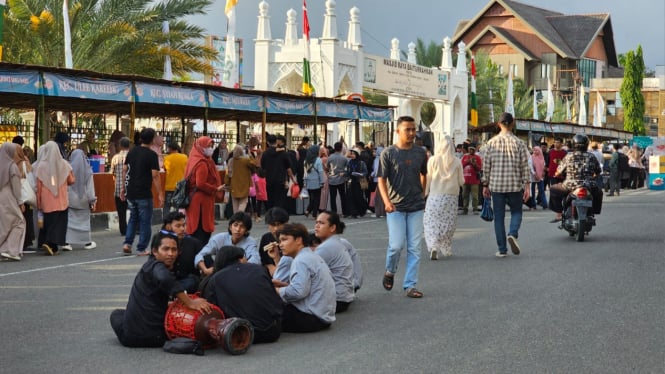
(633, 22)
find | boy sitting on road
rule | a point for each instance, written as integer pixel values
(310, 294)
(142, 323)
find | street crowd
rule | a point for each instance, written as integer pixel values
(289, 279)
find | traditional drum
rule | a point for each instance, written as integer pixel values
(234, 335)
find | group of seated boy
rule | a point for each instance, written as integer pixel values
(293, 281)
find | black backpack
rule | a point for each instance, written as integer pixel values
(181, 195)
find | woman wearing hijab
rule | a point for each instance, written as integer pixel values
(81, 200)
(61, 139)
(25, 170)
(12, 222)
(444, 179)
(379, 208)
(53, 175)
(323, 155)
(355, 170)
(203, 184)
(314, 179)
(239, 177)
(537, 164)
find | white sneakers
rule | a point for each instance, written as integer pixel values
(11, 257)
(68, 247)
(514, 245)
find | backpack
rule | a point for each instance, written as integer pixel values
(181, 196)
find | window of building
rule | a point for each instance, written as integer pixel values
(501, 69)
(611, 108)
(545, 71)
(587, 70)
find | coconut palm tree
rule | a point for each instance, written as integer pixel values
(110, 36)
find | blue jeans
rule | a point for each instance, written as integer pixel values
(140, 217)
(541, 194)
(405, 228)
(499, 201)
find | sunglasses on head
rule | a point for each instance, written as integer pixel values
(169, 233)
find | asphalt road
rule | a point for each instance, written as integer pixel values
(559, 307)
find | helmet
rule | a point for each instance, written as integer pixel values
(580, 143)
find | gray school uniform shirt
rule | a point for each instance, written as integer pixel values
(402, 168)
(334, 253)
(357, 267)
(223, 239)
(283, 270)
(311, 288)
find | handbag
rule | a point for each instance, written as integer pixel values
(28, 195)
(364, 183)
(295, 191)
(487, 213)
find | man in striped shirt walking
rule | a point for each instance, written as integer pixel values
(506, 179)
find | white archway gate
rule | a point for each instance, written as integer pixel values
(340, 68)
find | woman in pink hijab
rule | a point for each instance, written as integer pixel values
(537, 163)
(203, 183)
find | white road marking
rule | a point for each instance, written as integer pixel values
(64, 266)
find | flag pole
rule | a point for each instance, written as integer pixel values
(307, 87)
(231, 76)
(69, 64)
(3, 5)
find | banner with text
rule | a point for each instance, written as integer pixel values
(339, 110)
(303, 107)
(234, 101)
(86, 88)
(401, 77)
(20, 82)
(164, 94)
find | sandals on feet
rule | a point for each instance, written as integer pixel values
(414, 293)
(126, 250)
(388, 280)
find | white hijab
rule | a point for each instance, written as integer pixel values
(8, 166)
(443, 162)
(82, 172)
(51, 168)
(443, 165)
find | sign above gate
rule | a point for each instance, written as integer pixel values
(403, 78)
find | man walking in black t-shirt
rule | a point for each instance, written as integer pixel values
(140, 173)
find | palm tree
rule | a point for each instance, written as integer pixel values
(110, 36)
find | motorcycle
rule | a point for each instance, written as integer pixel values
(578, 217)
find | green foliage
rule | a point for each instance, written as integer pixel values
(110, 36)
(429, 55)
(488, 77)
(631, 92)
(375, 98)
(427, 113)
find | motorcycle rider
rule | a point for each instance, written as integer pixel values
(576, 166)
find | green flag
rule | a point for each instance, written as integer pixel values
(3, 5)
(307, 87)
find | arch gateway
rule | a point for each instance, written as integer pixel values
(342, 69)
